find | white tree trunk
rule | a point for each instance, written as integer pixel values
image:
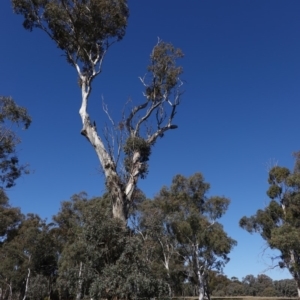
(199, 275)
(121, 195)
(108, 165)
(78, 296)
(10, 292)
(27, 284)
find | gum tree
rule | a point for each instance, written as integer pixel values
(185, 225)
(84, 30)
(279, 222)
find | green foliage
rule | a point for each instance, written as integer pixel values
(10, 218)
(29, 251)
(164, 70)
(11, 117)
(82, 29)
(279, 222)
(103, 254)
(180, 228)
(260, 286)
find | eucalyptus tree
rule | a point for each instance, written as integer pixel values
(279, 222)
(152, 224)
(84, 31)
(286, 287)
(28, 260)
(100, 257)
(192, 232)
(12, 116)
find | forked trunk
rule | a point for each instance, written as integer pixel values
(113, 183)
(119, 209)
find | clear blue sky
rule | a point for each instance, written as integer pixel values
(240, 108)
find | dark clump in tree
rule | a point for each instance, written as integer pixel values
(279, 222)
(85, 30)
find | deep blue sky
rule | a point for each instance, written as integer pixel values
(240, 109)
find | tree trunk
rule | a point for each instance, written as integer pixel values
(199, 276)
(78, 296)
(113, 182)
(27, 284)
(10, 292)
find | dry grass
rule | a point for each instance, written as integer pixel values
(237, 297)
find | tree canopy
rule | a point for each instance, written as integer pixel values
(279, 223)
(12, 117)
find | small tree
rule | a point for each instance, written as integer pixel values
(85, 30)
(279, 222)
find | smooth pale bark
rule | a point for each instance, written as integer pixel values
(108, 165)
(10, 292)
(121, 188)
(199, 275)
(167, 253)
(80, 280)
(121, 192)
(27, 284)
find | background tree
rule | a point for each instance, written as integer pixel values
(28, 260)
(286, 287)
(279, 222)
(186, 227)
(85, 30)
(12, 116)
(152, 223)
(218, 283)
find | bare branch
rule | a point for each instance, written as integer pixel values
(105, 109)
(132, 114)
(146, 116)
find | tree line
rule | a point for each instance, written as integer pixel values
(260, 286)
(123, 245)
(84, 253)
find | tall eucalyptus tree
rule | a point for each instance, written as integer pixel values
(85, 30)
